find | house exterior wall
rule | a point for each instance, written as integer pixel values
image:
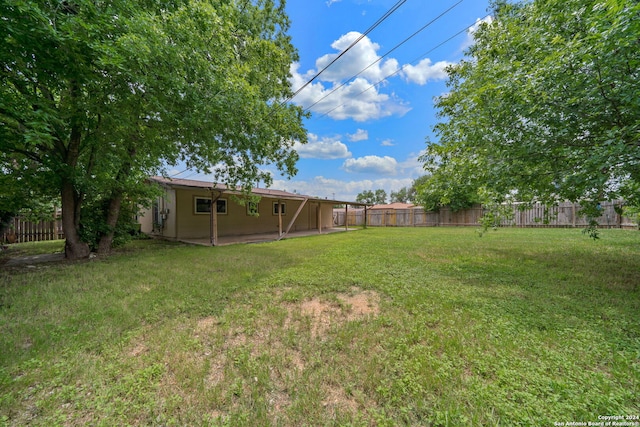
(164, 224)
(189, 224)
(326, 215)
(169, 204)
(184, 223)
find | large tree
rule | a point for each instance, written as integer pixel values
(94, 96)
(409, 194)
(546, 106)
(377, 197)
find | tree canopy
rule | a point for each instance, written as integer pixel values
(377, 197)
(96, 96)
(408, 194)
(438, 190)
(546, 105)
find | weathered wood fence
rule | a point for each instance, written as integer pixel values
(563, 215)
(20, 230)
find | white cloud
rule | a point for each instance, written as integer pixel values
(371, 164)
(330, 2)
(326, 148)
(339, 189)
(412, 166)
(424, 71)
(387, 143)
(471, 31)
(362, 56)
(360, 135)
(360, 99)
(362, 102)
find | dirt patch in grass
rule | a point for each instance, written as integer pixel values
(283, 337)
(137, 350)
(324, 314)
(338, 399)
(206, 324)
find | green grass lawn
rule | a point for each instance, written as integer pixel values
(380, 327)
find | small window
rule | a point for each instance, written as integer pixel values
(221, 206)
(252, 208)
(203, 205)
(279, 208)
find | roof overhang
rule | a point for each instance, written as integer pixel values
(268, 193)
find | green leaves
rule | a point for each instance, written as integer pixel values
(101, 94)
(546, 107)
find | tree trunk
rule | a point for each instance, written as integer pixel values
(74, 248)
(106, 240)
(115, 202)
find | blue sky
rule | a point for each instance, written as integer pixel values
(365, 136)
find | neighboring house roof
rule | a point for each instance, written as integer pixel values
(262, 192)
(357, 207)
(395, 206)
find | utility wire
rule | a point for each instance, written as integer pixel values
(178, 173)
(403, 67)
(371, 28)
(428, 24)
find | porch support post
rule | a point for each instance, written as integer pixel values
(346, 217)
(319, 217)
(365, 216)
(293, 220)
(279, 219)
(213, 219)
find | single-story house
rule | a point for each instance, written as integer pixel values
(184, 213)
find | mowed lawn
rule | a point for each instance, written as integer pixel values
(379, 327)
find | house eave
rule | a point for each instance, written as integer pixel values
(261, 192)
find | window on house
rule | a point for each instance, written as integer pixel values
(221, 206)
(279, 208)
(202, 205)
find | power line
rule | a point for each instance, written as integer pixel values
(371, 28)
(178, 173)
(428, 24)
(403, 67)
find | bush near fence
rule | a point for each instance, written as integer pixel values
(563, 215)
(21, 230)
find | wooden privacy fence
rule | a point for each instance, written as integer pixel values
(563, 215)
(568, 215)
(409, 217)
(20, 230)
